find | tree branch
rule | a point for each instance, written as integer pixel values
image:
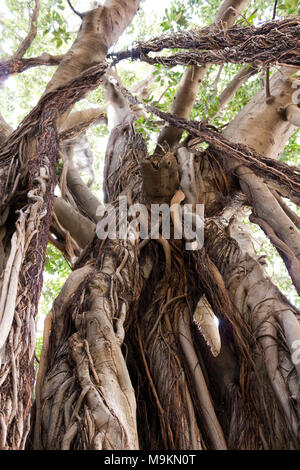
(238, 80)
(27, 41)
(260, 126)
(83, 196)
(193, 76)
(238, 45)
(288, 256)
(289, 212)
(75, 11)
(79, 121)
(13, 66)
(81, 228)
(92, 42)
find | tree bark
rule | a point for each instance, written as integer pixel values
(132, 357)
(35, 159)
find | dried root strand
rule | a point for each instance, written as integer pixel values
(275, 41)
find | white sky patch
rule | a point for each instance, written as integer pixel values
(4, 9)
(147, 5)
(10, 83)
(158, 5)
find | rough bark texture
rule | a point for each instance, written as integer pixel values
(28, 164)
(132, 357)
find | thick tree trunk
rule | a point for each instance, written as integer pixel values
(91, 404)
(132, 356)
(181, 391)
(28, 166)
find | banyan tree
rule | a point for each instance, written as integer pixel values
(153, 342)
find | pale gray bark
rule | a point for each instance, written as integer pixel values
(193, 76)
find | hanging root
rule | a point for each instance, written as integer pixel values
(284, 177)
(214, 429)
(263, 308)
(217, 46)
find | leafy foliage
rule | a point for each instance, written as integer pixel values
(288, 7)
(56, 25)
(56, 272)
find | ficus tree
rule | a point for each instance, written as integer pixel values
(151, 342)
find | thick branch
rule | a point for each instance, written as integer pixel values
(79, 121)
(237, 45)
(84, 197)
(100, 28)
(58, 101)
(261, 125)
(13, 66)
(81, 228)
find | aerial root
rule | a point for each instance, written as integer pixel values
(207, 408)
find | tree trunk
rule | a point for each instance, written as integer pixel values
(28, 168)
(185, 398)
(132, 355)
